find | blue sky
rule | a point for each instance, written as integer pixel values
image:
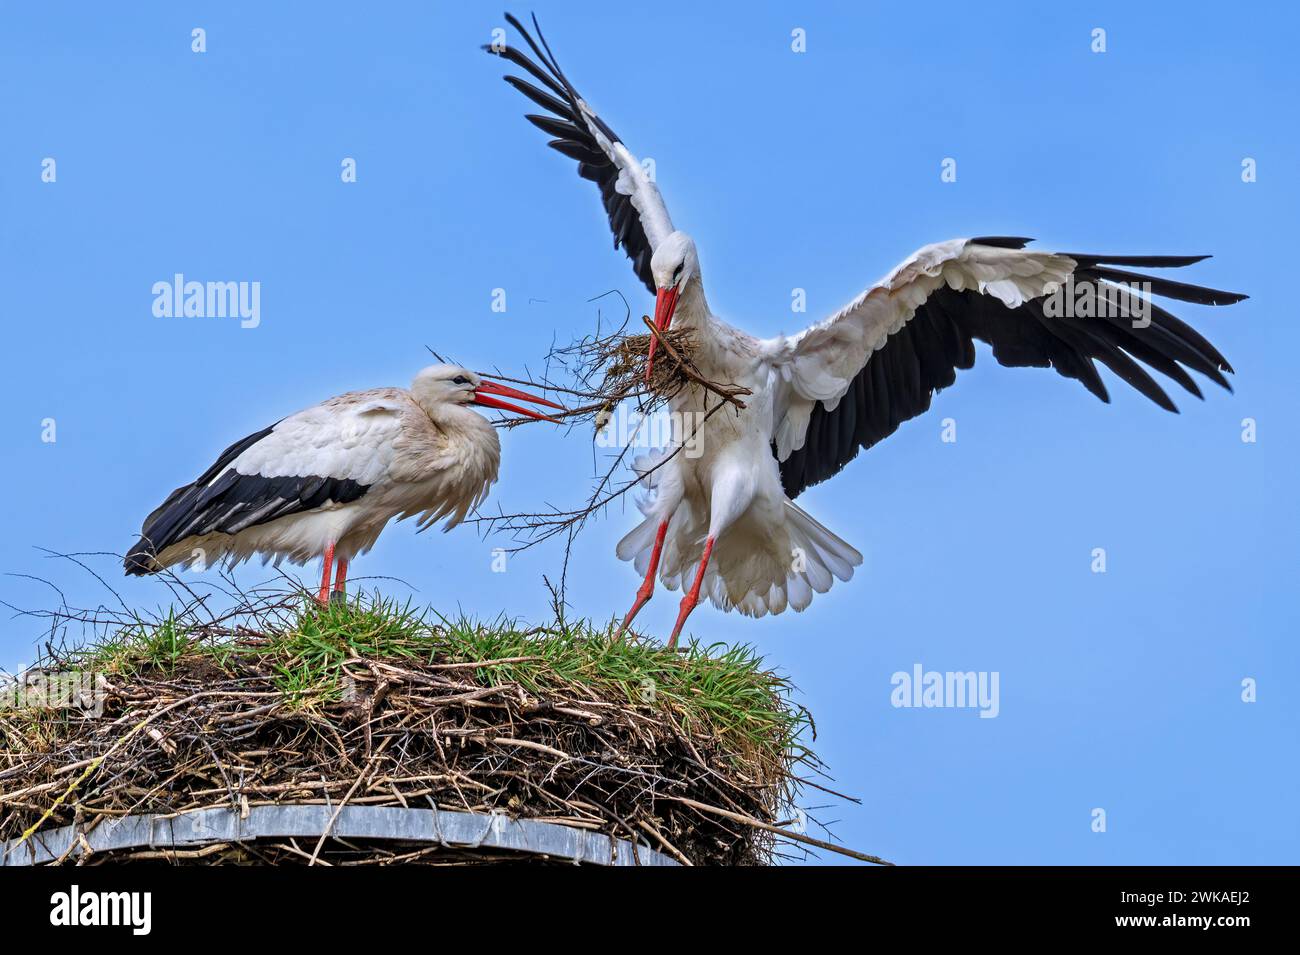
(1119, 691)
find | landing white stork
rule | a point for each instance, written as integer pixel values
(325, 481)
(844, 384)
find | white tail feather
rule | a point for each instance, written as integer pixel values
(755, 580)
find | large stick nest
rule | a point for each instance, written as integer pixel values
(690, 754)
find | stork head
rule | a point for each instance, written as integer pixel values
(443, 385)
(674, 266)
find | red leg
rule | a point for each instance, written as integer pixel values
(648, 587)
(341, 575)
(693, 597)
(327, 564)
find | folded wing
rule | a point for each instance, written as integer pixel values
(326, 455)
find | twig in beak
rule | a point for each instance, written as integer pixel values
(688, 369)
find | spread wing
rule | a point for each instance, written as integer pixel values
(851, 380)
(637, 214)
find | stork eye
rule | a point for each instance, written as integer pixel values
(677, 273)
(460, 380)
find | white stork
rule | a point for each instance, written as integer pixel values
(725, 522)
(325, 481)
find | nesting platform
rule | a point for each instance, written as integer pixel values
(287, 733)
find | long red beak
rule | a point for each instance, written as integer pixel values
(665, 305)
(483, 393)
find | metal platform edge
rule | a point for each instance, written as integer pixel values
(442, 826)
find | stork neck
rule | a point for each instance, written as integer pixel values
(462, 421)
(692, 312)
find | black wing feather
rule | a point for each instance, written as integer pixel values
(900, 379)
(542, 98)
(223, 501)
(575, 140)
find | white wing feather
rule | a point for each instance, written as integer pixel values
(634, 182)
(821, 362)
(349, 437)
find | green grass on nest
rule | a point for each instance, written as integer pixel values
(716, 688)
(700, 752)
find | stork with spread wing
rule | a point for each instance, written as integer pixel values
(724, 524)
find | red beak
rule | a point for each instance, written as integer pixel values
(665, 305)
(487, 388)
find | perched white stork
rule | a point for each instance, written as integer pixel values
(325, 481)
(724, 523)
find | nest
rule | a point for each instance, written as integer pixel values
(694, 755)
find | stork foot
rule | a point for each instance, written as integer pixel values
(327, 566)
(643, 595)
(647, 588)
(339, 597)
(687, 606)
(692, 596)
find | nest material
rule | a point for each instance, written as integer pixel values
(596, 375)
(603, 371)
(419, 721)
(625, 366)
